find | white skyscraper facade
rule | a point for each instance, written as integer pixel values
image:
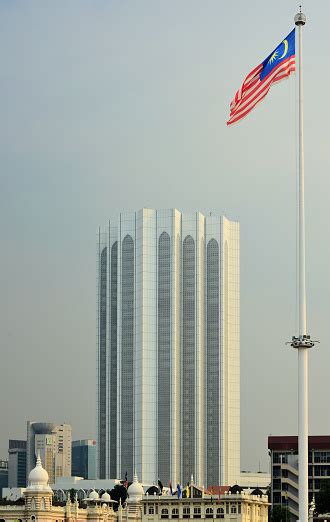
(168, 348)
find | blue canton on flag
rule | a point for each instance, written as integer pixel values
(282, 53)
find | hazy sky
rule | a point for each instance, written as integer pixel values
(115, 105)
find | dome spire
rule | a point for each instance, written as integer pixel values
(38, 477)
(39, 463)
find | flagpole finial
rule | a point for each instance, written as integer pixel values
(300, 18)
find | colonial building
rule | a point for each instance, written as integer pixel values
(38, 504)
(231, 505)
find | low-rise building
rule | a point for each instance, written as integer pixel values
(233, 505)
(283, 451)
(255, 479)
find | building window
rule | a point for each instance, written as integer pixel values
(280, 458)
(164, 355)
(220, 513)
(186, 512)
(277, 484)
(151, 510)
(188, 356)
(102, 363)
(233, 509)
(209, 513)
(322, 456)
(127, 347)
(175, 513)
(276, 498)
(276, 471)
(113, 359)
(164, 513)
(213, 356)
(239, 509)
(197, 512)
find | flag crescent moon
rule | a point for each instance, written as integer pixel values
(286, 46)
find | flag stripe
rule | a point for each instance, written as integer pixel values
(247, 98)
(249, 92)
(261, 87)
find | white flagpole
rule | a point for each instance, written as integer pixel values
(302, 342)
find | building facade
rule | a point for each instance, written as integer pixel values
(39, 504)
(54, 445)
(3, 475)
(84, 458)
(283, 452)
(17, 464)
(168, 347)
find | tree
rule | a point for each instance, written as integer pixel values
(280, 514)
(72, 493)
(322, 498)
(119, 492)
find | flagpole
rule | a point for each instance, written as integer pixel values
(302, 342)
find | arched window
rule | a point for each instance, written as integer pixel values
(186, 512)
(43, 503)
(233, 509)
(197, 512)
(175, 513)
(164, 513)
(209, 513)
(220, 513)
(33, 503)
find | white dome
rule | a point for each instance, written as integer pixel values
(135, 491)
(93, 495)
(106, 497)
(38, 477)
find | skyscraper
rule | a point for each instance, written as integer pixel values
(168, 347)
(17, 464)
(84, 458)
(53, 442)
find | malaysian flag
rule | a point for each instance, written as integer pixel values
(277, 66)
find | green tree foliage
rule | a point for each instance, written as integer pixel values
(280, 514)
(119, 492)
(322, 498)
(72, 493)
